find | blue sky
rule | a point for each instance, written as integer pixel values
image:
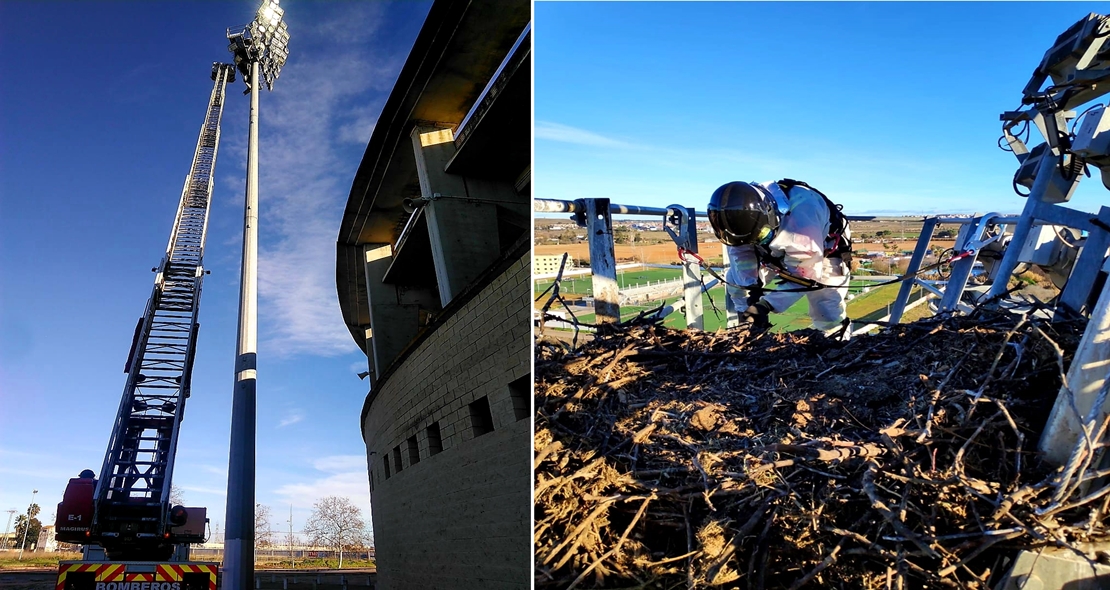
(100, 107)
(886, 107)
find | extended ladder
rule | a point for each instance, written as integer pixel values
(132, 494)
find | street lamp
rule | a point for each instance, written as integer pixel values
(259, 49)
(27, 525)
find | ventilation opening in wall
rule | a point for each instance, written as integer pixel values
(414, 450)
(521, 393)
(481, 419)
(397, 457)
(385, 463)
(435, 443)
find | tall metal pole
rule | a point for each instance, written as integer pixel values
(8, 527)
(27, 525)
(239, 528)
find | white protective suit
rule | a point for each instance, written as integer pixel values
(800, 242)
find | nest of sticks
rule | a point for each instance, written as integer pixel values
(907, 459)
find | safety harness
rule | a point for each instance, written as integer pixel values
(840, 234)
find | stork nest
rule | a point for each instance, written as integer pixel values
(907, 459)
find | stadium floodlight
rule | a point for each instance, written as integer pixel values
(260, 50)
(264, 41)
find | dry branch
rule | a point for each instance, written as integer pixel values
(671, 459)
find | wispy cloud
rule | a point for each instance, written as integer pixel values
(865, 181)
(36, 464)
(291, 417)
(214, 469)
(338, 475)
(327, 99)
(203, 490)
(567, 134)
(339, 463)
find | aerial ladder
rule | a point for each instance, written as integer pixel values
(127, 511)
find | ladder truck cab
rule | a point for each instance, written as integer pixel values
(74, 523)
(127, 511)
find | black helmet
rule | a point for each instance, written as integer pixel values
(741, 213)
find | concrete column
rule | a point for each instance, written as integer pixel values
(368, 349)
(1087, 376)
(603, 261)
(393, 323)
(464, 242)
(462, 225)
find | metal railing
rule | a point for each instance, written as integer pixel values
(596, 215)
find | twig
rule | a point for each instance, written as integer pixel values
(616, 547)
(829, 560)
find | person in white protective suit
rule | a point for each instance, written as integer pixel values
(779, 235)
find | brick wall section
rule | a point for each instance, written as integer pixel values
(459, 519)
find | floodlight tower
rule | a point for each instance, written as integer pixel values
(260, 49)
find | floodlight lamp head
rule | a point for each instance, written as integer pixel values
(265, 41)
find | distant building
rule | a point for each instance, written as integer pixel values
(433, 276)
(46, 541)
(543, 264)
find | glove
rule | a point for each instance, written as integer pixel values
(755, 294)
(757, 315)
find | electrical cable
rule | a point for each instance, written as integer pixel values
(940, 269)
(1067, 242)
(1004, 145)
(812, 285)
(1075, 121)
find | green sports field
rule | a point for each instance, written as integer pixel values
(581, 285)
(867, 306)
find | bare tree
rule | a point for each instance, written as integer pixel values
(337, 523)
(176, 497)
(262, 534)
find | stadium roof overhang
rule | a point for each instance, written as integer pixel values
(469, 70)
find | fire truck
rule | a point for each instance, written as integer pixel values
(133, 537)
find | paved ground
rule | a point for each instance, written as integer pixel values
(346, 579)
(28, 579)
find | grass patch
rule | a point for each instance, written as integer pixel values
(580, 285)
(10, 559)
(42, 561)
(313, 563)
(876, 304)
(864, 307)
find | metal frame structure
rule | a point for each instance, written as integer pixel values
(132, 496)
(596, 215)
(265, 41)
(1077, 68)
(679, 221)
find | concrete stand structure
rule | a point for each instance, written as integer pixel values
(433, 277)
